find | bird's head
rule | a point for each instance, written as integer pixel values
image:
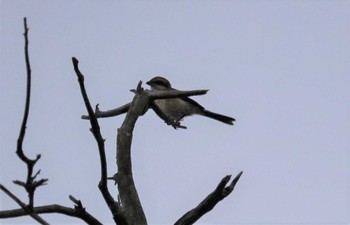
(159, 83)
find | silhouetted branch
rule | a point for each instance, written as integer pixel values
(114, 207)
(78, 212)
(20, 139)
(27, 210)
(83, 215)
(153, 94)
(113, 112)
(31, 184)
(221, 192)
(156, 94)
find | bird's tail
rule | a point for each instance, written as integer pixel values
(219, 117)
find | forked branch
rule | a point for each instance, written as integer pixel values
(221, 192)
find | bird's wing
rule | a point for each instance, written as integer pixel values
(192, 102)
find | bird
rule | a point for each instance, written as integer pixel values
(173, 110)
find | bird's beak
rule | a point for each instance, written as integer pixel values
(148, 82)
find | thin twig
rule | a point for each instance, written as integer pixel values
(31, 184)
(20, 152)
(115, 209)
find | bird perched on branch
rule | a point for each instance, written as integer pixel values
(173, 110)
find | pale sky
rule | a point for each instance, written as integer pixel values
(281, 68)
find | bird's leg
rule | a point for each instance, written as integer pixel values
(169, 121)
(177, 124)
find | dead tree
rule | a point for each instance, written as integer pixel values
(125, 208)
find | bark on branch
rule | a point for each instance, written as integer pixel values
(126, 186)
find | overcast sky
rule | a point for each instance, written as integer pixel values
(281, 68)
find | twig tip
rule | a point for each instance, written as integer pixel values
(75, 60)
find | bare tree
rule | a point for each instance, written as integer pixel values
(126, 208)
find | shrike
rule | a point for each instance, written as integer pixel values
(175, 109)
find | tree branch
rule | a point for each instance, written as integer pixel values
(115, 208)
(153, 94)
(113, 112)
(78, 211)
(128, 194)
(210, 201)
(83, 215)
(31, 184)
(156, 94)
(27, 210)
